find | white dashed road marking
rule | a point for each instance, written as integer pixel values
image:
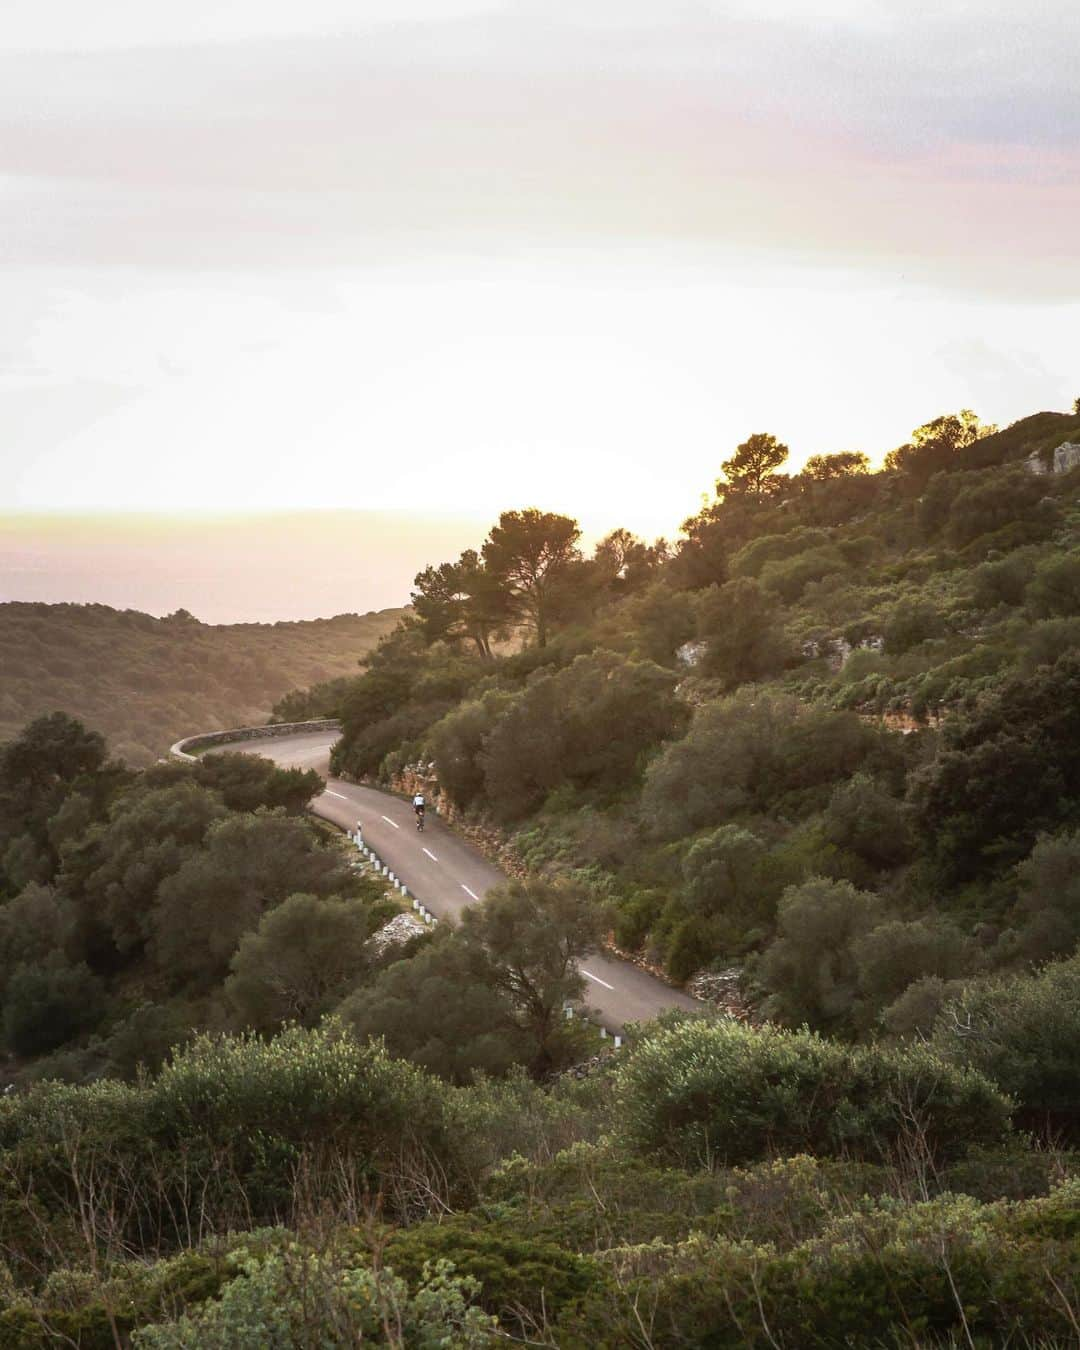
(597, 979)
(392, 822)
(431, 855)
(468, 892)
(331, 793)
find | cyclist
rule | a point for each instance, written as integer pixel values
(418, 806)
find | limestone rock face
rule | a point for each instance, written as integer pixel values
(690, 653)
(1065, 457)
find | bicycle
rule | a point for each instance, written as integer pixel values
(420, 822)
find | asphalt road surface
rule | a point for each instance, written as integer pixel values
(446, 873)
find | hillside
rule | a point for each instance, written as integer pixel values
(839, 692)
(145, 682)
(828, 741)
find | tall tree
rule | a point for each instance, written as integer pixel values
(534, 933)
(532, 554)
(625, 563)
(461, 602)
(751, 470)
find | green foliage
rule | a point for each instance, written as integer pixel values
(893, 956)
(754, 556)
(515, 1275)
(1055, 587)
(250, 864)
(145, 1040)
(1022, 1031)
(662, 620)
(120, 866)
(301, 960)
(588, 725)
(534, 934)
(864, 820)
(462, 602)
(443, 1010)
(294, 1296)
(790, 578)
(738, 622)
(810, 970)
(533, 555)
(246, 782)
(722, 871)
(844, 464)
(1049, 907)
(1006, 771)
(35, 925)
(936, 446)
(718, 1093)
(910, 623)
(237, 1117)
(457, 745)
(751, 752)
(944, 1272)
(750, 472)
(47, 1004)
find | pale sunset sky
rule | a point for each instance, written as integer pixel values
(439, 259)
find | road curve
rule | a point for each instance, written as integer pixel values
(446, 873)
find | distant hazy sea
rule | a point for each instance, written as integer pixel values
(228, 569)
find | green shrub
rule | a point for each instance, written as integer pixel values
(514, 1273)
(1055, 588)
(719, 1093)
(237, 1118)
(946, 1272)
(809, 970)
(1024, 1033)
(751, 752)
(740, 625)
(48, 1004)
(294, 1296)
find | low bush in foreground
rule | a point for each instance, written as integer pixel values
(700, 1093)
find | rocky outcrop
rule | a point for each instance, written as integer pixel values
(722, 989)
(1064, 458)
(401, 928)
(690, 653)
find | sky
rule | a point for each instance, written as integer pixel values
(432, 260)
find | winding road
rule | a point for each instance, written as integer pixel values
(446, 873)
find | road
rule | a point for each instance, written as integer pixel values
(446, 873)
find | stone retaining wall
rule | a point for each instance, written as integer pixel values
(204, 741)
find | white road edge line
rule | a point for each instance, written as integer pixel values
(598, 980)
(468, 892)
(431, 855)
(329, 792)
(392, 822)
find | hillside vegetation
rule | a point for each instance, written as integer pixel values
(145, 682)
(830, 737)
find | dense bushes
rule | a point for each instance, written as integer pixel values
(229, 1126)
(750, 753)
(588, 726)
(1008, 769)
(947, 1271)
(715, 1094)
(295, 1296)
(1024, 1033)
